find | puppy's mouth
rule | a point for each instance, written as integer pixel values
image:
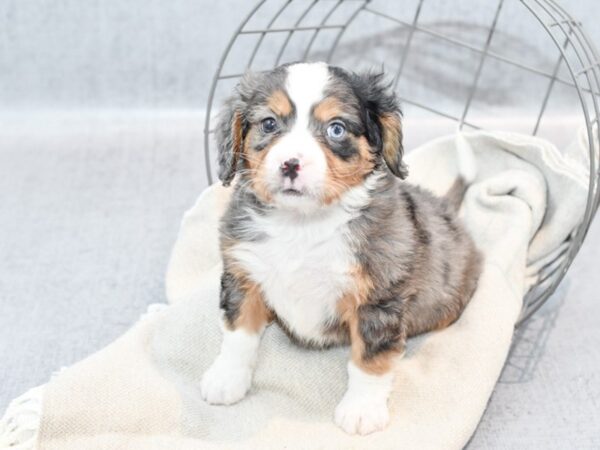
(292, 192)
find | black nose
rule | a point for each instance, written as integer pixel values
(290, 168)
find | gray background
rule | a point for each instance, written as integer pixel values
(101, 107)
(144, 53)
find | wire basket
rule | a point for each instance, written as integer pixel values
(516, 65)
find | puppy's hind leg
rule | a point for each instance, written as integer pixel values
(245, 318)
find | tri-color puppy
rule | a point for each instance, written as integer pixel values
(324, 238)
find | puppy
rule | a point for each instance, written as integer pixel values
(324, 238)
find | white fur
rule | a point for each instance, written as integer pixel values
(229, 377)
(363, 409)
(305, 86)
(303, 266)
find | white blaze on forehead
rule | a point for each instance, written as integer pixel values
(305, 85)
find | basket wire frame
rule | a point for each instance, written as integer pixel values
(575, 53)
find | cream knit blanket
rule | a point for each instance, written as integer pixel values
(142, 391)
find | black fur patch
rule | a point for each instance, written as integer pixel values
(231, 297)
(235, 222)
(446, 272)
(344, 149)
(380, 326)
(411, 206)
(450, 222)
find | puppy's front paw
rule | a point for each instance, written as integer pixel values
(361, 414)
(224, 384)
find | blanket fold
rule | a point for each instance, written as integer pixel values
(142, 391)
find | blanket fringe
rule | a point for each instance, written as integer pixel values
(20, 424)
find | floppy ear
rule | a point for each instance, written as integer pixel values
(384, 126)
(230, 139)
(233, 125)
(392, 148)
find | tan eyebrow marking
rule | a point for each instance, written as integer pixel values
(280, 104)
(328, 109)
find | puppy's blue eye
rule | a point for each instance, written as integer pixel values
(336, 130)
(268, 125)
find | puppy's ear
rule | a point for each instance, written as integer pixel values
(230, 139)
(233, 125)
(384, 126)
(392, 148)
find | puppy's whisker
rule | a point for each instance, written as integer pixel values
(253, 159)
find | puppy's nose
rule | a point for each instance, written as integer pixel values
(290, 168)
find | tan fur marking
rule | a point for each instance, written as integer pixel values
(348, 310)
(445, 322)
(280, 104)
(254, 313)
(328, 109)
(363, 284)
(392, 135)
(378, 365)
(256, 168)
(343, 175)
(237, 138)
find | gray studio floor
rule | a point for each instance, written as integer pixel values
(88, 214)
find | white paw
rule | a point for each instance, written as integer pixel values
(357, 414)
(224, 384)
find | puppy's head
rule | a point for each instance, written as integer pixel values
(302, 135)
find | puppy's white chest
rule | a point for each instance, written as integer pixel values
(303, 270)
